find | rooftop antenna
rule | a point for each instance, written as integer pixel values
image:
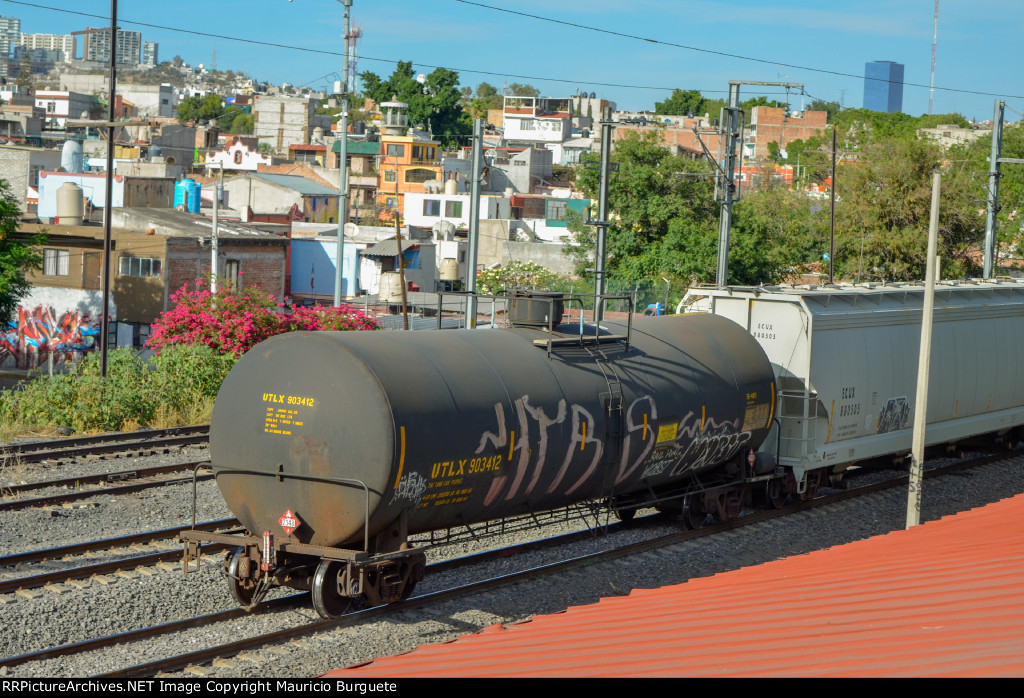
(353, 36)
(935, 36)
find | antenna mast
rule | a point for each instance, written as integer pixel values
(935, 36)
(353, 36)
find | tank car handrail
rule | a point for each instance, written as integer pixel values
(348, 482)
(599, 301)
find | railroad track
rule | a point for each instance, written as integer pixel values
(77, 447)
(207, 655)
(88, 486)
(120, 564)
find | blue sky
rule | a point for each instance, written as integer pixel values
(976, 42)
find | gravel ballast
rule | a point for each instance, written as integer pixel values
(144, 599)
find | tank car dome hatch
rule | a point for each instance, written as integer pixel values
(535, 308)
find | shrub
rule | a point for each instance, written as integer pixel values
(133, 392)
(232, 322)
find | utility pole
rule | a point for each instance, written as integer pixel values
(474, 221)
(343, 170)
(600, 276)
(218, 192)
(109, 194)
(993, 189)
(732, 129)
(923, 365)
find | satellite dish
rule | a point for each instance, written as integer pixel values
(421, 78)
(351, 230)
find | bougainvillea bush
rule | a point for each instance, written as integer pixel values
(232, 322)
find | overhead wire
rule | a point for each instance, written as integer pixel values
(724, 54)
(541, 18)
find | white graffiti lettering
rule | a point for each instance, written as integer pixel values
(411, 487)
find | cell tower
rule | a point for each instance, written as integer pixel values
(935, 36)
(353, 36)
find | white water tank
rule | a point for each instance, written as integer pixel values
(70, 210)
(449, 269)
(451, 187)
(390, 287)
(71, 156)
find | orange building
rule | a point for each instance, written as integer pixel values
(407, 159)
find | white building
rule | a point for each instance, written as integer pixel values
(238, 157)
(426, 209)
(530, 120)
(60, 106)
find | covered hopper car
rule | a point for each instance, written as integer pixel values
(333, 448)
(845, 360)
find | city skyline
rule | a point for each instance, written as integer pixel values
(782, 43)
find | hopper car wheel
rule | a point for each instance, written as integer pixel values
(326, 599)
(775, 493)
(694, 512)
(241, 594)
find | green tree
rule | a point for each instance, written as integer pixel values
(682, 102)
(832, 108)
(208, 108)
(517, 89)
(661, 211)
(17, 257)
(435, 103)
(884, 209)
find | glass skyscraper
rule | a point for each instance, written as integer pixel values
(883, 86)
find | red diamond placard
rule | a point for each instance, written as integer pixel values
(289, 522)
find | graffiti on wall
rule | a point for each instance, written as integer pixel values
(37, 333)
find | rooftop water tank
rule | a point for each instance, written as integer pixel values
(449, 269)
(71, 156)
(70, 209)
(187, 195)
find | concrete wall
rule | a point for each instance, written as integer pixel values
(16, 166)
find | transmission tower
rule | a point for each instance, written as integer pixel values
(353, 36)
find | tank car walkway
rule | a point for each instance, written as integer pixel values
(942, 599)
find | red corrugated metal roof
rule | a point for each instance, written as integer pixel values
(942, 599)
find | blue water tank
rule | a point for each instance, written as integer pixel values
(187, 194)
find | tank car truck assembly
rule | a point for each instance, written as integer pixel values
(333, 448)
(845, 360)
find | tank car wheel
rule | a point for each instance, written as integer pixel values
(326, 599)
(775, 493)
(694, 512)
(241, 593)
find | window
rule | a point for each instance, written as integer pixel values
(453, 209)
(389, 176)
(431, 207)
(556, 210)
(139, 266)
(417, 152)
(420, 175)
(398, 150)
(55, 262)
(238, 157)
(232, 269)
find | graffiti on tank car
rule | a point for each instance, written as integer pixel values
(523, 443)
(410, 488)
(582, 436)
(707, 446)
(894, 416)
(642, 422)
